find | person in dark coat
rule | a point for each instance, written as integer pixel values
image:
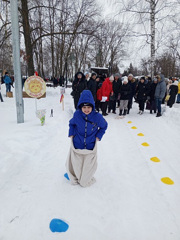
(99, 82)
(117, 83)
(152, 97)
(160, 93)
(132, 83)
(141, 93)
(124, 97)
(91, 85)
(79, 84)
(87, 125)
(173, 91)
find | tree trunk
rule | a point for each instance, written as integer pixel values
(152, 19)
(27, 37)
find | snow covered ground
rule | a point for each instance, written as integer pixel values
(128, 202)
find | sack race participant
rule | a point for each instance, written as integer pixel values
(85, 128)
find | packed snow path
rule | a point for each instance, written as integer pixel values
(128, 202)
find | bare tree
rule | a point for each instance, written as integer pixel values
(151, 16)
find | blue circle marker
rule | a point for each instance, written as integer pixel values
(58, 225)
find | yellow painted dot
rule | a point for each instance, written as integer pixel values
(145, 144)
(140, 134)
(134, 127)
(167, 180)
(129, 122)
(155, 159)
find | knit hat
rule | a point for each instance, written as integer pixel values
(93, 74)
(111, 78)
(86, 104)
(125, 79)
(155, 79)
(117, 75)
(142, 78)
(130, 75)
(175, 83)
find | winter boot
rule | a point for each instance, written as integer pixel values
(124, 112)
(150, 111)
(158, 114)
(128, 111)
(120, 113)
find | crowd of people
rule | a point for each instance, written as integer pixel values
(115, 91)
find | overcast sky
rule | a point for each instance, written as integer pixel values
(109, 10)
(135, 54)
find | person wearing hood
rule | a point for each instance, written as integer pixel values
(86, 74)
(160, 93)
(173, 91)
(79, 84)
(117, 83)
(141, 92)
(7, 81)
(151, 94)
(85, 128)
(133, 84)
(91, 85)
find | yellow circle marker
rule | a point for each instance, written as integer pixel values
(129, 122)
(145, 144)
(155, 159)
(140, 134)
(134, 127)
(167, 180)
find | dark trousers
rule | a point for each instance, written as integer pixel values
(104, 107)
(112, 105)
(153, 105)
(98, 105)
(141, 105)
(130, 103)
(1, 97)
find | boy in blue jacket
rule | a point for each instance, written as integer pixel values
(85, 128)
(87, 125)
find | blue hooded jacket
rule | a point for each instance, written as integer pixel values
(7, 79)
(86, 128)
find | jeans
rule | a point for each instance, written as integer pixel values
(158, 104)
(178, 98)
(8, 87)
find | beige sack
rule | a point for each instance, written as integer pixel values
(81, 165)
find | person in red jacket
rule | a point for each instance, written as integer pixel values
(106, 91)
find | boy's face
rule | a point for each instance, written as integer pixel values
(86, 109)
